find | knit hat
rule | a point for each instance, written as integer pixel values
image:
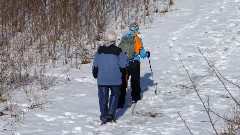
(111, 36)
(134, 27)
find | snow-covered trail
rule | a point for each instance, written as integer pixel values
(213, 25)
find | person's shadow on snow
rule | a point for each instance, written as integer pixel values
(146, 82)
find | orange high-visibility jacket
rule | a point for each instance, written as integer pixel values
(138, 43)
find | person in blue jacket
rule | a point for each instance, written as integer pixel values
(133, 69)
(108, 63)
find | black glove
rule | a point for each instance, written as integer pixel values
(95, 72)
(148, 54)
(123, 70)
(124, 77)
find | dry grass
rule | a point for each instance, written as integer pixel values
(232, 123)
(38, 34)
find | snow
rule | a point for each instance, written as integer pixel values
(71, 105)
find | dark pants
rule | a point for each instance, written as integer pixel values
(108, 108)
(133, 71)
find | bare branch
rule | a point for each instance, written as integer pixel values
(205, 107)
(219, 78)
(222, 117)
(185, 124)
(226, 78)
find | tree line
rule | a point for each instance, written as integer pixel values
(36, 34)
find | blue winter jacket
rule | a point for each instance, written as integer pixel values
(108, 63)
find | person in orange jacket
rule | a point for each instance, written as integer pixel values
(133, 69)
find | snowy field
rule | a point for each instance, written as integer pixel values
(71, 106)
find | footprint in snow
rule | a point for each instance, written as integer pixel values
(149, 113)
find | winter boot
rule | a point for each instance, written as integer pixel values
(110, 118)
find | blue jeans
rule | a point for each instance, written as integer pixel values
(108, 108)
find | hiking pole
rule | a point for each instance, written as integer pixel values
(128, 91)
(155, 85)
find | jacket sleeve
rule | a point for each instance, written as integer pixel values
(95, 66)
(122, 60)
(143, 53)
